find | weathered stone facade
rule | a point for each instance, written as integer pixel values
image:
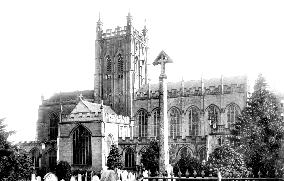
(200, 113)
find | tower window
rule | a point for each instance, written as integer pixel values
(143, 123)
(108, 63)
(193, 121)
(82, 154)
(53, 126)
(175, 122)
(119, 63)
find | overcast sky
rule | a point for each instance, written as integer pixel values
(49, 46)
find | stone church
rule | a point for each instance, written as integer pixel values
(124, 109)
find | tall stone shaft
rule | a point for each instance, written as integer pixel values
(164, 125)
(162, 59)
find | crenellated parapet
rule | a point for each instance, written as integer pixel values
(177, 139)
(29, 143)
(82, 117)
(192, 91)
(119, 119)
(118, 31)
(121, 31)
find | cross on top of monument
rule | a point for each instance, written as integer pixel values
(80, 96)
(162, 59)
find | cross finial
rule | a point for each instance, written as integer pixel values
(162, 59)
(81, 96)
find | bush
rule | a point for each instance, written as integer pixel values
(190, 164)
(150, 158)
(114, 158)
(230, 163)
(63, 170)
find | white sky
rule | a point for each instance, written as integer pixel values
(49, 46)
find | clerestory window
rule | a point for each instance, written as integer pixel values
(175, 124)
(193, 121)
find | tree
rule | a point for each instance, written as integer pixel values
(187, 164)
(114, 158)
(63, 170)
(15, 164)
(259, 130)
(150, 157)
(230, 163)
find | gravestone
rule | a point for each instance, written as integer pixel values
(95, 178)
(73, 178)
(33, 177)
(50, 177)
(38, 178)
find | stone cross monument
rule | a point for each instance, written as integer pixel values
(162, 59)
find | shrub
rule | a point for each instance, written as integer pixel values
(114, 158)
(63, 170)
(150, 158)
(229, 162)
(190, 164)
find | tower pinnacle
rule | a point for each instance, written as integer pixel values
(99, 22)
(129, 18)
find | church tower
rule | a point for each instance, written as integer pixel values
(120, 65)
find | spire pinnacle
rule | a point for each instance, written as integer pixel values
(129, 17)
(99, 23)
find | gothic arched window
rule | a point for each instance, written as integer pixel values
(174, 122)
(53, 126)
(129, 158)
(119, 63)
(213, 116)
(82, 152)
(51, 156)
(108, 64)
(232, 114)
(143, 123)
(184, 152)
(156, 121)
(193, 121)
(202, 154)
(34, 154)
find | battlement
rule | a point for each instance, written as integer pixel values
(118, 31)
(112, 118)
(29, 143)
(82, 117)
(146, 140)
(193, 91)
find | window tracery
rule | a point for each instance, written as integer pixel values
(129, 158)
(82, 154)
(174, 123)
(143, 123)
(108, 64)
(194, 121)
(53, 126)
(156, 116)
(232, 115)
